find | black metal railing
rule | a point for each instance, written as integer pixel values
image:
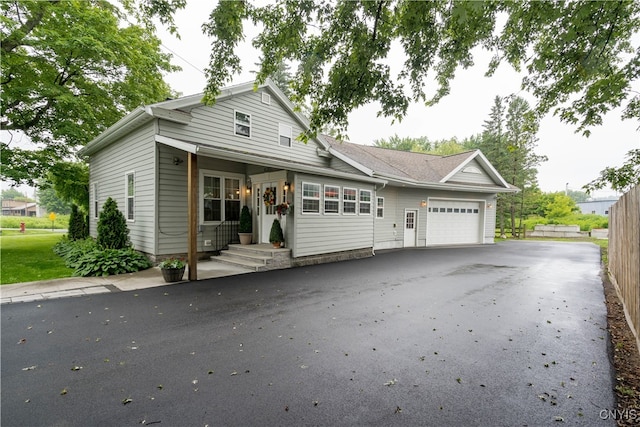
(225, 234)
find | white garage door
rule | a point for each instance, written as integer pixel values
(451, 222)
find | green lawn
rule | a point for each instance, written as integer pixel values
(29, 257)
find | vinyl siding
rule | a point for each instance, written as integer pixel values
(172, 200)
(133, 153)
(388, 230)
(397, 199)
(319, 233)
(338, 164)
(473, 178)
(215, 126)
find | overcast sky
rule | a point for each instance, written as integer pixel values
(573, 159)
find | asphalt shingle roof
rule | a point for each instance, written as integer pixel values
(402, 164)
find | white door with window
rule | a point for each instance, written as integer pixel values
(268, 201)
(410, 227)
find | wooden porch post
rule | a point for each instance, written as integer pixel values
(192, 201)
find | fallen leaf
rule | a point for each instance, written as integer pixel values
(63, 392)
(234, 373)
(22, 341)
(127, 401)
(459, 380)
(398, 410)
(76, 368)
(391, 382)
(30, 368)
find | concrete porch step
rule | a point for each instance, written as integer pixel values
(241, 262)
(258, 257)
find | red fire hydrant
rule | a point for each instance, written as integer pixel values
(22, 227)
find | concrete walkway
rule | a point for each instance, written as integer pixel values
(82, 286)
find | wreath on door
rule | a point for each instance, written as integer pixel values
(269, 197)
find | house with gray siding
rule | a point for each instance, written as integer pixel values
(181, 171)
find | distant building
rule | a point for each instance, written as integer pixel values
(600, 206)
(16, 208)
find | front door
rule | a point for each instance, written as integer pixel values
(269, 201)
(410, 227)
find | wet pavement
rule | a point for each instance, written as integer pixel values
(510, 334)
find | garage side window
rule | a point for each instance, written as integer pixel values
(365, 202)
(130, 191)
(331, 199)
(349, 201)
(379, 207)
(310, 198)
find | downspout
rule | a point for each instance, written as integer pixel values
(375, 215)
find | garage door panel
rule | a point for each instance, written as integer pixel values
(453, 222)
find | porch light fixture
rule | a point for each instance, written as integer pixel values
(286, 186)
(177, 161)
(423, 203)
(248, 190)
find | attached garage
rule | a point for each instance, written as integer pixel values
(453, 222)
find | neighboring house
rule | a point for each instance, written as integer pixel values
(181, 171)
(16, 208)
(600, 206)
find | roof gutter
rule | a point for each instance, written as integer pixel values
(447, 186)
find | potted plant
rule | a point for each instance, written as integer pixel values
(275, 236)
(172, 269)
(246, 227)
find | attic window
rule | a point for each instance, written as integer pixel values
(266, 98)
(472, 169)
(242, 124)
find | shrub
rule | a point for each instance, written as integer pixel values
(110, 261)
(112, 227)
(77, 226)
(246, 225)
(88, 259)
(276, 232)
(72, 250)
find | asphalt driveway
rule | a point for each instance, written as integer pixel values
(510, 334)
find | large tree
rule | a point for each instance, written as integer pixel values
(579, 55)
(508, 142)
(70, 69)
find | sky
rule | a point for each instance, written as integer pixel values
(573, 159)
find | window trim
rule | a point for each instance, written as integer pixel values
(128, 197)
(222, 176)
(235, 123)
(361, 202)
(319, 198)
(331, 199)
(283, 134)
(354, 201)
(379, 206)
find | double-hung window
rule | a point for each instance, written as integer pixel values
(96, 206)
(220, 198)
(212, 199)
(242, 122)
(285, 133)
(331, 199)
(130, 196)
(349, 200)
(365, 202)
(310, 198)
(379, 207)
(231, 199)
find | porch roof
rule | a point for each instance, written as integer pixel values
(274, 162)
